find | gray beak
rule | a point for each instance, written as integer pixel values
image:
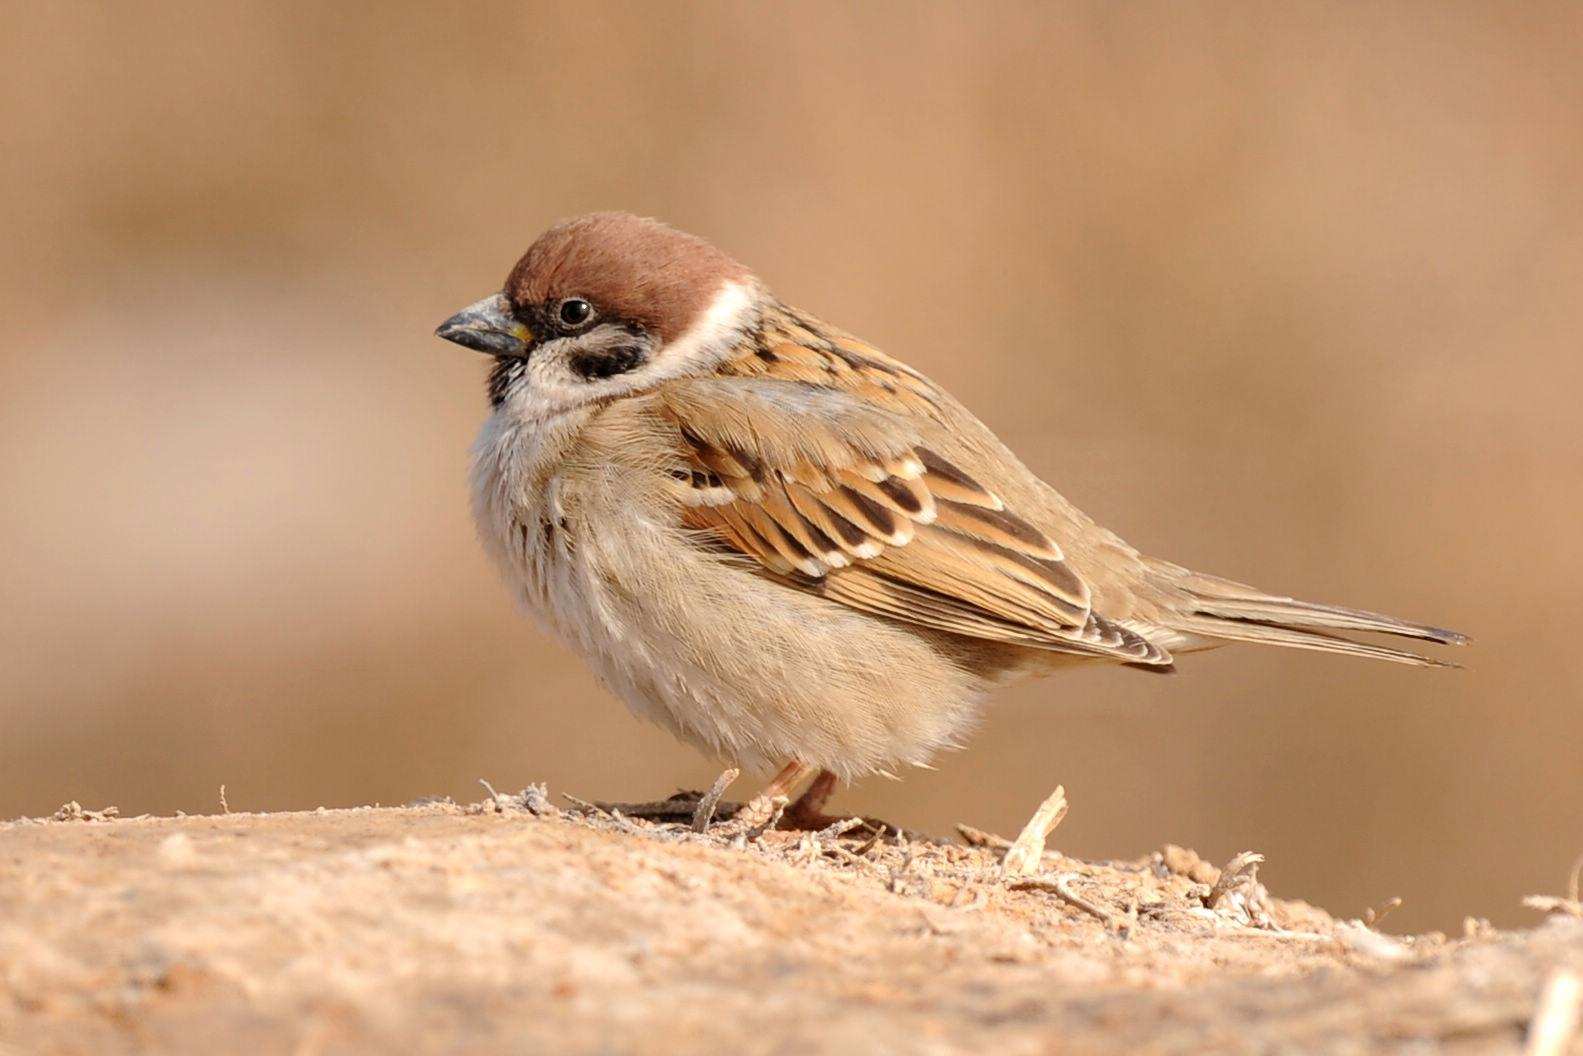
(488, 326)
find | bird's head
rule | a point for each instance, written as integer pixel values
(605, 305)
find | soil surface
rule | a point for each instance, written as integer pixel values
(528, 924)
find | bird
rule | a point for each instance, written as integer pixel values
(786, 547)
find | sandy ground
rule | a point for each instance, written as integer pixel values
(519, 925)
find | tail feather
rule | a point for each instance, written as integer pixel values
(1300, 638)
(1220, 608)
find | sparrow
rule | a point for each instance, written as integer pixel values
(784, 546)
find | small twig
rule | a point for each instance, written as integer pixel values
(1570, 905)
(494, 797)
(898, 875)
(705, 813)
(873, 841)
(1358, 939)
(1372, 916)
(584, 805)
(838, 851)
(980, 838)
(537, 799)
(1060, 887)
(808, 850)
(673, 810)
(840, 828)
(1555, 1021)
(623, 823)
(1243, 931)
(1028, 850)
(225, 808)
(777, 806)
(74, 811)
(1064, 891)
(1552, 904)
(1243, 867)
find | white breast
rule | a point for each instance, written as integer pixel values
(531, 523)
(521, 517)
(722, 658)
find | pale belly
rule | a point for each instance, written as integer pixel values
(742, 668)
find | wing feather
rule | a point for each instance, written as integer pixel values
(830, 466)
(838, 495)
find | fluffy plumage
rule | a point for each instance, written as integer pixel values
(784, 545)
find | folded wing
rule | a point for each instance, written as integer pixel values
(842, 497)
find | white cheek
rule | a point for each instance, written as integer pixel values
(550, 376)
(548, 387)
(713, 338)
(551, 387)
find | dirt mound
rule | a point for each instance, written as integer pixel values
(516, 924)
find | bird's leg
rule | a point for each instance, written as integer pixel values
(761, 808)
(807, 813)
(786, 781)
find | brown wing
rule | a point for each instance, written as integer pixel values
(840, 496)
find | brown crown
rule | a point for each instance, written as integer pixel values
(630, 267)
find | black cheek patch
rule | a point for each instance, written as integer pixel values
(503, 377)
(608, 362)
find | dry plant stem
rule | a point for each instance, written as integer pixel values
(494, 797)
(1373, 916)
(980, 838)
(1354, 937)
(677, 808)
(711, 799)
(1060, 887)
(1242, 931)
(1569, 904)
(777, 807)
(838, 851)
(840, 828)
(872, 842)
(74, 811)
(583, 804)
(1240, 868)
(779, 788)
(1555, 1022)
(1028, 851)
(622, 822)
(536, 798)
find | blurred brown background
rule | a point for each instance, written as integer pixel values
(1289, 294)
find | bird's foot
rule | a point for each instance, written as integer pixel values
(806, 814)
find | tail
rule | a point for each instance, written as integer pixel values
(1217, 608)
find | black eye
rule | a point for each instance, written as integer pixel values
(574, 312)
